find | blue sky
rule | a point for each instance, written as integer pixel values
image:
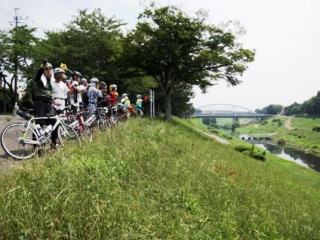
(284, 33)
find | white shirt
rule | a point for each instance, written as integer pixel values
(59, 90)
(59, 93)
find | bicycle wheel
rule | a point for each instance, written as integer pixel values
(87, 134)
(112, 120)
(68, 134)
(15, 138)
(102, 124)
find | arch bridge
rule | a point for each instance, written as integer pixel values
(226, 111)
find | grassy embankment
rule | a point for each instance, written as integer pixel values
(148, 179)
(300, 136)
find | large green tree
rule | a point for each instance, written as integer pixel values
(17, 50)
(175, 48)
(90, 44)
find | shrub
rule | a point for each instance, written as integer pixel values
(281, 142)
(241, 148)
(250, 151)
(259, 156)
(316, 129)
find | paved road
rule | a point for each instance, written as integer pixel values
(7, 163)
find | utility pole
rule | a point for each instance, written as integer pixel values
(16, 21)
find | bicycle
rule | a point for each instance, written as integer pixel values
(23, 140)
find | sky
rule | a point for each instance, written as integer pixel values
(285, 35)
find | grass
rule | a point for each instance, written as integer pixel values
(149, 179)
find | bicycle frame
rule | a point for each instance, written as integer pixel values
(32, 125)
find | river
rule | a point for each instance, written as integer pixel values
(297, 156)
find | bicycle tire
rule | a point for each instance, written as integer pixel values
(87, 134)
(11, 145)
(69, 135)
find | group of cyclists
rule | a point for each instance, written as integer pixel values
(52, 87)
(51, 90)
(81, 94)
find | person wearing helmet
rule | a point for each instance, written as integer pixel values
(93, 94)
(125, 101)
(75, 96)
(60, 90)
(113, 95)
(85, 97)
(42, 97)
(104, 101)
(75, 76)
(139, 105)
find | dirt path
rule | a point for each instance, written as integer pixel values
(219, 139)
(288, 123)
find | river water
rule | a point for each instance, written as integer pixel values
(297, 156)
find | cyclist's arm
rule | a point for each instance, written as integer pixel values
(38, 75)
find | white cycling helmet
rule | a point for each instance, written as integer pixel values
(58, 70)
(94, 80)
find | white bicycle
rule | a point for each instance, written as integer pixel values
(23, 140)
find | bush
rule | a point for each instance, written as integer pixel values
(281, 142)
(250, 151)
(259, 156)
(316, 129)
(264, 122)
(241, 148)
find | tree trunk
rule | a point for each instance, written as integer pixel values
(168, 105)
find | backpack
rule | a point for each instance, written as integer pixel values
(85, 97)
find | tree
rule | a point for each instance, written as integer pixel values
(293, 109)
(17, 47)
(311, 106)
(181, 96)
(174, 48)
(91, 44)
(272, 109)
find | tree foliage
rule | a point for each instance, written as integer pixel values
(91, 44)
(310, 107)
(272, 109)
(16, 46)
(174, 48)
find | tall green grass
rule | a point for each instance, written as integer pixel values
(148, 179)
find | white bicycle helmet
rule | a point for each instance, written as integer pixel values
(58, 70)
(94, 80)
